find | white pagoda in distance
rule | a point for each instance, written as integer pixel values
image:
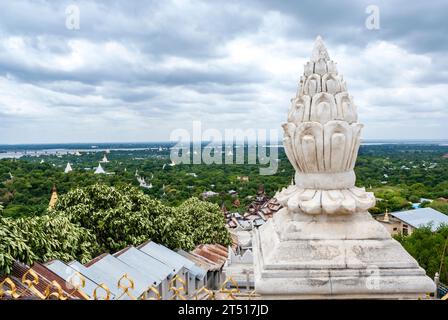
(68, 168)
(104, 159)
(99, 169)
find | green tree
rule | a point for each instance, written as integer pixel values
(43, 238)
(122, 216)
(427, 248)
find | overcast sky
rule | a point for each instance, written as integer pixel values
(136, 70)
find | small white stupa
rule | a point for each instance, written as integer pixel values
(99, 169)
(104, 159)
(68, 168)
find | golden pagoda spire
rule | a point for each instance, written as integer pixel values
(53, 199)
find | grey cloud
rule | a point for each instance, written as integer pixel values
(173, 63)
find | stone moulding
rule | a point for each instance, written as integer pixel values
(318, 201)
(328, 273)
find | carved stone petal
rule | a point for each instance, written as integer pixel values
(331, 83)
(346, 108)
(331, 67)
(356, 142)
(312, 206)
(294, 200)
(283, 196)
(337, 145)
(309, 68)
(312, 201)
(320, 67)
(331, 201)
(300, 109)
(287, 144)
(308, 146)
(323, 108)
(313, 85)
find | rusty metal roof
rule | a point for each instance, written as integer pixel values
(212, 252)
(43, 280)
(200, 261)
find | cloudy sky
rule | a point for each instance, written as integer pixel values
(136, 70)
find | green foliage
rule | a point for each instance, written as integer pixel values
(43, 238)
(122, 216)
(441, 206)
(427, 248)
(205, 221)
(90, 220)
(391, 199)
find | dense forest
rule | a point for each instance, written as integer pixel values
(399, 175)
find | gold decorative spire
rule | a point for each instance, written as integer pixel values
(53, 199)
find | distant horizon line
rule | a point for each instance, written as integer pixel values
(204, 141)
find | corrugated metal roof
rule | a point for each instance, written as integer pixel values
(99, 277)
(68, 272)
(175, 258)
(144, 263)
(205, 263)
(212, 253)
(422, 217)
(115, 269)
(152, 249)
(188, 264)
(199, 262)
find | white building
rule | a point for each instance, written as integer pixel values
(99, 169)
(68, 168)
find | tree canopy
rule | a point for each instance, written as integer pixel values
(427, 248)
(90, 220)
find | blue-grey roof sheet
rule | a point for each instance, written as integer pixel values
(98, 277)
(68, 272)
(154, 250)
(188, 264)
(145, 263)
(422, 217)
(115, 269)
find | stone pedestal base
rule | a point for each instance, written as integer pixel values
(299, 256)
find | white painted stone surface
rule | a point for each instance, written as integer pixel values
(324, 243)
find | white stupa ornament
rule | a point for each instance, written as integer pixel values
(321, 140)
(104, 160)
(324, 243)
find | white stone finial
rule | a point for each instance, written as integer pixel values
(321, 139)
(324, 243)
(319, 50)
